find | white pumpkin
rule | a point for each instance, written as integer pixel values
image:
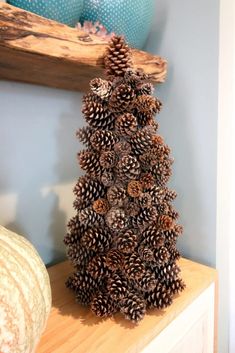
(25, 294)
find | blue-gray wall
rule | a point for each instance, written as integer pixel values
(38, 148)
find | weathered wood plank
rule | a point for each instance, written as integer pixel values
(37, 50)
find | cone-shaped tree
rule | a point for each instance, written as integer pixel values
(122, 240)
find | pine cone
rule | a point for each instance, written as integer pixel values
(170, 195)
(144, 88)
(147, 160)
(126, 125)
(122, 148)
(147, 181)
(152, 237)
(71, 238)
(160, 150)
(162, 208)
(176, 286)
(82, 281)
(134, 188)
(145, 107)
(89, 161)
(116, 195)
(172, 213)
(103, 140)
(146, 254)
(97, 115)
(128, 167)
(79, 255)
(164, 222)
(161, 256)
(116, 219)
(117, 81)
(117, 286)
(141, 141)
(133, 267)
(84, 135)
(88, 190)
(74, 224)
(178, 229)
(84, 297)
(102, 305)
(101, 206)
(96, 239)
(146, 119)
(97, 266)
(145, 200)
(89, 217)
(135, 77)
(117, 58)
(101, 88)
(161, 172)
(157, 194)
(157, 140)
(132, 208)
(122, 99)
(156, 156)
(168, 273)
(107, 178)
(174, 254)
(146, 283)
(133, 307)
(114, 259)
(91, 97)
(108, 159)
(160, 297)
(146, 104)
(127, 242)
(146, 216)
(173, 233)
(75, 231)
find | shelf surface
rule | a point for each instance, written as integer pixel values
(36, 50)
(72, 328)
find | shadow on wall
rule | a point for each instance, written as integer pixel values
(42, 165)
(47, 242)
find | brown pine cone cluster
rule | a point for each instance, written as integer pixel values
(122, 241)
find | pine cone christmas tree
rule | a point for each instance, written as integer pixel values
(122, 239)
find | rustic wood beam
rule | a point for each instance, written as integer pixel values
(37, 50)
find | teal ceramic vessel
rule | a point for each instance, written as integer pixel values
(131, 18)
(64, 11)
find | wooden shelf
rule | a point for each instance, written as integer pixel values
(73, 328)
(37, 50)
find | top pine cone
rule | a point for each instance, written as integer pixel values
(122, 240)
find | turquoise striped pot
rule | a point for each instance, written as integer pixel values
(64, 11)
(131, 18)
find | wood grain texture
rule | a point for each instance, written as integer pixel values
(37, 50)
(74, 329)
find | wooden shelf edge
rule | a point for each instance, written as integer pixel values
(36, 50)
